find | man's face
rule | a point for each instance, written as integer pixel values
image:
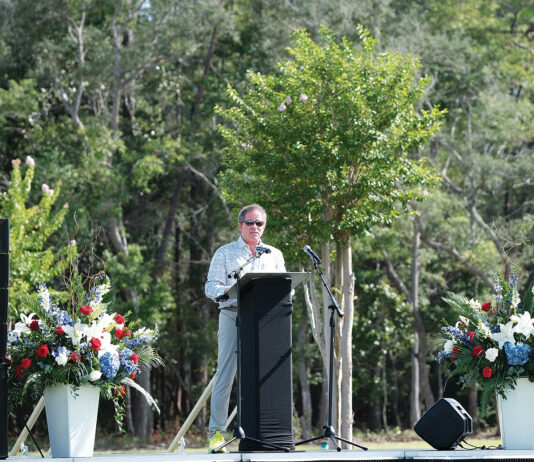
(251, 234)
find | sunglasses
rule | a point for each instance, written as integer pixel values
(258, 223)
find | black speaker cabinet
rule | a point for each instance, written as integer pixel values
(445, 424)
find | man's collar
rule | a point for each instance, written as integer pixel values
(242, 243)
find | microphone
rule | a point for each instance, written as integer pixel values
(261, 250)
(221, 298)
(312, 254)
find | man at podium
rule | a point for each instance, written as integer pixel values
(252, 220)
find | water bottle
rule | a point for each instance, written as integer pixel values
(324, 446)
(24, 450)
(181, 446)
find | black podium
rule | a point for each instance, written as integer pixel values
(266, 359)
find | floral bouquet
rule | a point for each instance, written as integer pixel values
(81, 344)
(492, 343)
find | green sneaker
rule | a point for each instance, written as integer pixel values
(215, 441)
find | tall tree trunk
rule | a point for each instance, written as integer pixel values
(473, 405)
(385, 397)
(346, 340)
(415, 402)
(304, 372)
(395, 401)
(420, 380)
(375, 403)
(197, 300)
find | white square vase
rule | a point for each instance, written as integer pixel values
(516, 416)
(71, 415)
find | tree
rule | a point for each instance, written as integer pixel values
(33, 259)
(324, 144)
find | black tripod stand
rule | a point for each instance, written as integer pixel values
(329, 431)
(239, 433)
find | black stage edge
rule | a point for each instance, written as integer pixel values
(4, 302)
(266, 363)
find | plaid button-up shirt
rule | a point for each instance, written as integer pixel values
(231, 256)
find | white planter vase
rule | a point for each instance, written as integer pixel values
(71, 416)
(516, 416)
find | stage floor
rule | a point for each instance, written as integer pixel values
(375, 455)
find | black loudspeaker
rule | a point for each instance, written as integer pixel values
(445, 424)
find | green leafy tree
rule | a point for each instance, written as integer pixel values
(32, 258)
(324, 144)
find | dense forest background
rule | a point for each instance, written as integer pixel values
(114, 102)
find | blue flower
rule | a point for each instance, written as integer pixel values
(441, 355)
(125, 354)
(127, 363)
(109, 365)
(518, 354)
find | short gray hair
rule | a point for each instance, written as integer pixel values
(248, 208)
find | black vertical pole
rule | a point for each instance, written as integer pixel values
(4, 302)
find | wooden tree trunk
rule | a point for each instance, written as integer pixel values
(304, 372)
(346, 340)
(395, 400)
(473, 404)
(415, 401)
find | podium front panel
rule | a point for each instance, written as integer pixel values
(266, 364)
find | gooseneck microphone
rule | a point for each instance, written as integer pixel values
(312, 254)
(261, 250)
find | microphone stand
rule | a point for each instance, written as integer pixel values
(239, 433)
(329, 431)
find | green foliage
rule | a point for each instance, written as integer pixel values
(528, 302)
(19, 99)
(32, 259)
(324, 143)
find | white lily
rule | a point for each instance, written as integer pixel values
(524, 325)
(505, 335)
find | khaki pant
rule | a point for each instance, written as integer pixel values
(226, 369)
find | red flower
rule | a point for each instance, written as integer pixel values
(75, 357)
(453, 359)
(477, 351)
(132, 376)
(42, 351)
(34, 325)
(470, 335)
(456, 350)
(135, 358)
(25, 363)
(59, 330)
(8, 361)
(119, 318)
(86, 309)
(486, 306)
(120, 391)
(486, 372)
(18, 371)
(95, 344)
(119, 333)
